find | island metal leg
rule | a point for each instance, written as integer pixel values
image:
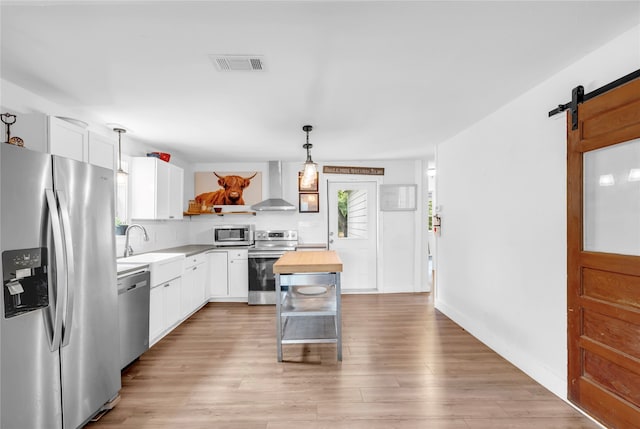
(278, 318)
(338, 317)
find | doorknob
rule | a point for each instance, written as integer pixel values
(330, 241)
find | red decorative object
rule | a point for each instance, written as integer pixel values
(162, 155)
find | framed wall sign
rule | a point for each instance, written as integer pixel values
(398, 197)
(313, 187)
(309, 203)
(340, 169)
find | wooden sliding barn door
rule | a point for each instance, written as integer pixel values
(603, 213)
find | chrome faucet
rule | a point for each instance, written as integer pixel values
(128, 251)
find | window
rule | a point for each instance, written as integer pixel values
(352, 214)
(122, 195)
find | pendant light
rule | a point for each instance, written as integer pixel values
(121, 175)
(310, 167)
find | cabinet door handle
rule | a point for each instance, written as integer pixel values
(167, 285)
(195, 268)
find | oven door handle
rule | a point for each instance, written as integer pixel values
(265, 254)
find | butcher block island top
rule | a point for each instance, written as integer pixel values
(321, 261)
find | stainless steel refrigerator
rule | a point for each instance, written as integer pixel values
(59, 355)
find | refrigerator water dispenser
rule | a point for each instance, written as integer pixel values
(24, 275)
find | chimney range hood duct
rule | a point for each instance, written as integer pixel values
(275, 201)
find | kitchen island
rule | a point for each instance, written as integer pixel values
(308, 303)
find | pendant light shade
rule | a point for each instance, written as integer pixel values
(121, 175)
(310, 167)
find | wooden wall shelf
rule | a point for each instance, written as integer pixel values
(219, 214)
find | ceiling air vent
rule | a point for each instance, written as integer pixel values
(238, 62)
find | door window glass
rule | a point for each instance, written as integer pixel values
(612, 199)
(352, 214)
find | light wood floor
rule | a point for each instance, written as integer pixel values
(405, 365)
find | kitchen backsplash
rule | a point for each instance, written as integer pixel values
(199, 230)
(162, 234)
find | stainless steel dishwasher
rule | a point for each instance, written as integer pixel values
(133, 314)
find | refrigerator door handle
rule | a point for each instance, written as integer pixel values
(71, 282)
(61, 287)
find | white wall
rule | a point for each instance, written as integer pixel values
(501, 185)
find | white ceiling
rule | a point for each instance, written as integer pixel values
(377, 80)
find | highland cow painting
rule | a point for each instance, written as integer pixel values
(223, 188)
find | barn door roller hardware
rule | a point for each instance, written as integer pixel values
(578, 96)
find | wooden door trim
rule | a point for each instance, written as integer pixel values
(622, 420)
(575, 244)
(615, 118)
(618, 311)
(623, 263)
(611, 100)
(610, 354)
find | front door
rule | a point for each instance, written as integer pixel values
(603, 230)
(353, 232)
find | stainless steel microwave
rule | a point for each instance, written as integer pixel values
(233, 235)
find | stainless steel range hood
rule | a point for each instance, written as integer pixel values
(275, 201)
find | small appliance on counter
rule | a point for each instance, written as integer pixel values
(233, 235)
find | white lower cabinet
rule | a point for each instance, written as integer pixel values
(164, 300)
(238, 273)
(218, 285)
(198, 296)
(156, 308)
(228, 275)
(171, 303)
(185, 293)
(164, 309)
(194, 280)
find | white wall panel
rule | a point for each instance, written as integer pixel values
(501, 185)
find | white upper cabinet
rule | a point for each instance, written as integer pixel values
(176, 192)
(72, 140)
(156, 188)
(102, 151)
(68, 139)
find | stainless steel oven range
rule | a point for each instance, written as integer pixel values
(268, 247)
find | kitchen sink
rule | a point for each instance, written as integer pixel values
(124, 268)
(163, 266)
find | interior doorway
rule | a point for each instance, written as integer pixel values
(353, 232)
